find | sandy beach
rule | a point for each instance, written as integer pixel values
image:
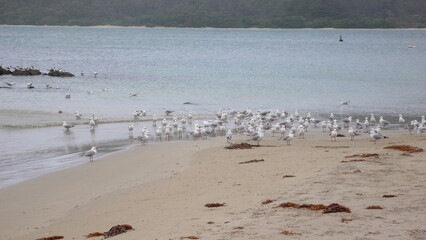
(161, 190)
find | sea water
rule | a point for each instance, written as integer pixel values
(263, 69)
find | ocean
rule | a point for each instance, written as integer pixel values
(263, 69)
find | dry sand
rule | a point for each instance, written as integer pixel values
(161, 190)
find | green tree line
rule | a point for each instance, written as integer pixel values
(218, 13)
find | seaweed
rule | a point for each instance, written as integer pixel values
(95, 234)
(353, 160)
(357, 171)
(239, 228)
(332, 208)
(268, 201)
(211, 205)
(190, 237)
(341, 135)
(240, 146)
(287, 176)
(389, 196)
(374, 207)
(51, 238)
(405, 148)
(285, 232)
(364, 155)
(118, 229)
(345, 220)
(252, 161)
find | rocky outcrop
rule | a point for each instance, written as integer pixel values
(59, 73)
(26, 72)
(4, 71)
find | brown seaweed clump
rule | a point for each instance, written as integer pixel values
(268, 201)
(389, 196)
(240, 146)
(190, 237)
(118, 229)
(345, 220)
(405, 148)
(95, 234)
(364, 155)
(212, 205)
(285, 232)
(252, 161)
(374, 207)
(332, 208)
(51, 238)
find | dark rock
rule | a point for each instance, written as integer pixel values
(4, 71)
(59, 73)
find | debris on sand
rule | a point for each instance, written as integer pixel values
(118, 229)
(340, 135)
(389, 196)
(353, 160)
(332, 208)
(405, 148)
(240, 146)
(211, 205)
(95, 234)
(268, 201)
(51, 238)
(238, 228)
(252, 161)
(287, 176)
(290, 233)
(345, 220)
(190, 237)
(374, 207)
(364, 155)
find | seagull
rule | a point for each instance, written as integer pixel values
(67, 95)
(421, 129)
(383, 122)
(130, 127)
(372, 119)
(30, 85)
(401, 120)
(257, 137)
(342, 102)
(90, 92)
(229, 136)
(59, 110)
(288, 137)
(91, 153)
(376, 136)
(167, 112)
(82, 73)
(352, 133)
(10, 84)
(104, 89)
(95, 74)
(77, 115)
(333, 135)
(67, 126)
(132, 94)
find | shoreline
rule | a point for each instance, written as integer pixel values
(162, 199)
(159, 27)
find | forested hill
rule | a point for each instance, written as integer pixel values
(218, 13)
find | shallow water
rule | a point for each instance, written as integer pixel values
(308, 70)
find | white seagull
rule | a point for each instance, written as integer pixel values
(91, 153)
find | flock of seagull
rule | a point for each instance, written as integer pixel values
(254, 124)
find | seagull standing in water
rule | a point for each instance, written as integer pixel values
(130, 127)
(67, 126)
(342, 102)
(91, 153)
